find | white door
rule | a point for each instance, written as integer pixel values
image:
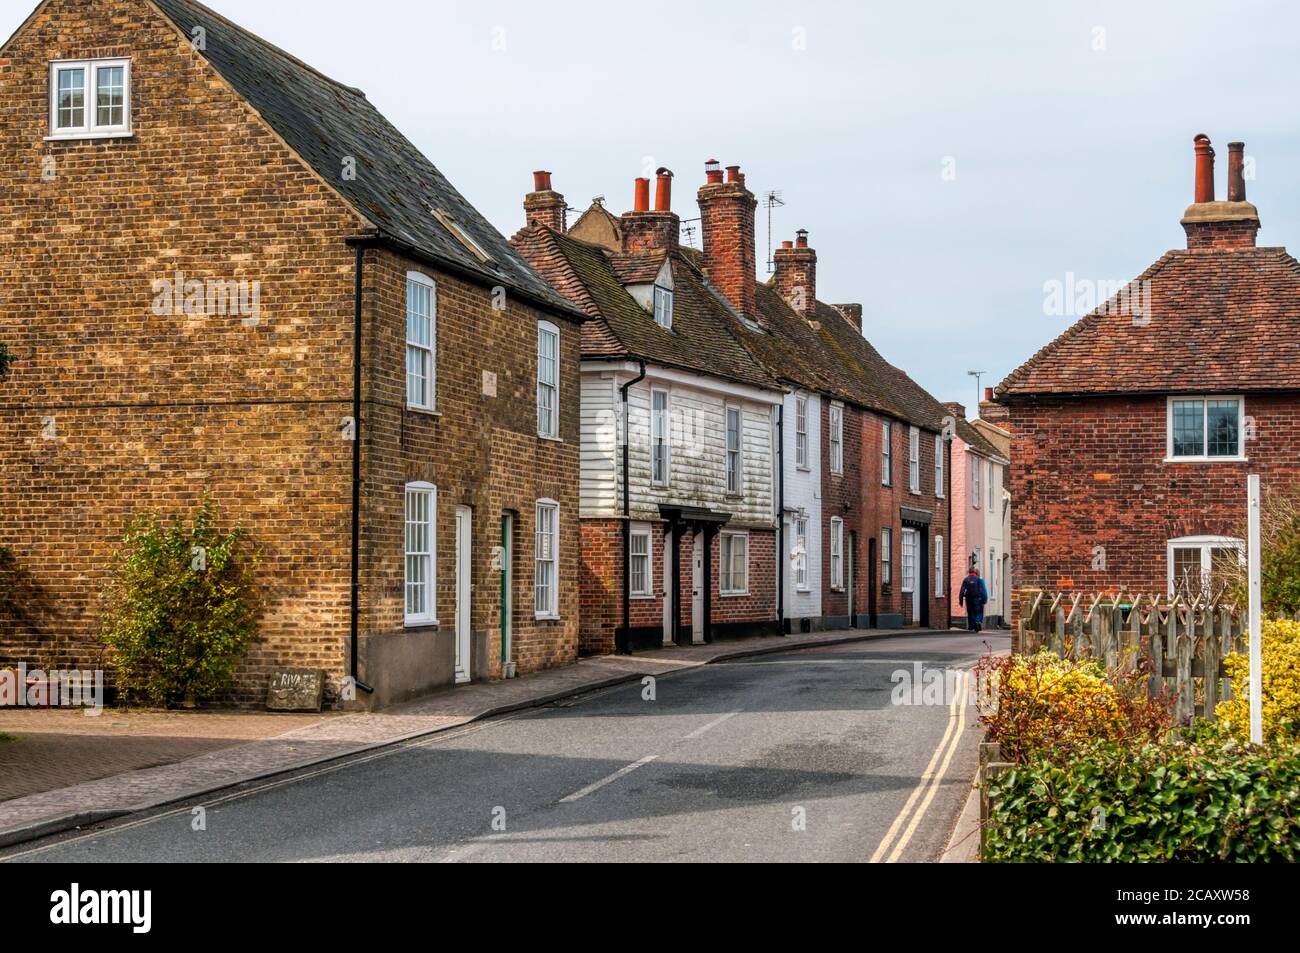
(464, 575)
(909, 572)
(697, 591)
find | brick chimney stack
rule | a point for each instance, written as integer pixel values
(727, 222)
(543, 205)
(994, 413)
(1216, 225)
(796, 274)
(648, 232)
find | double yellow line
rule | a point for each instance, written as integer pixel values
(929, 785)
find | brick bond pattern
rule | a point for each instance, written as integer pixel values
(152, 412)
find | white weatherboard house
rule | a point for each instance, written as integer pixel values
(803, 509)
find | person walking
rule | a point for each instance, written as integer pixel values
(974, 596)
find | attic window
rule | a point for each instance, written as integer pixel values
(451, 225)
(90, 99)
(663, 308)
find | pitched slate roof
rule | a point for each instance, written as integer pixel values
(395, 187)
(1222, 319)
(592, 277)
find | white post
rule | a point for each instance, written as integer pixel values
(1256, 617)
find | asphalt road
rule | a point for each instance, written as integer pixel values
(800, 756)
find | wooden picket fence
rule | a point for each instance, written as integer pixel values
(1177, 640)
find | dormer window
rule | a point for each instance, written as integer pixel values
(663, 307)
(90, 99)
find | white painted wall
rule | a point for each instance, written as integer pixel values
(803, 491)
(697, 466)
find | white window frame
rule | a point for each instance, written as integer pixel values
(914, 460)
(837, 438)
(886, 453)
(663, 302)
(667, 418)
(735, 456)
(1203, 457)
(976, 494)
(801, 431)
(938, 566)
(837, 553)
(886, 556)
(549, 429)
(430, 614)
(431, 349)
(552, 608)
(908, 559)
(800, 543)
(648, 590)
(938, 466)
(990, 487)
(726, 582)
(90, 127)
(1205, 544)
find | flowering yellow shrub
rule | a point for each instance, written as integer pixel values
(1281, 676)
(1048, 706)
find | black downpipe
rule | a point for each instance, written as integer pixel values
(356, 469)
(780, 520)
(623, 641)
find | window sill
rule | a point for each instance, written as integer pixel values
(546, 617)
(420, 624)
(642, 597)
(426, 411)
(915, 492)
(1205, 460)
(803, 468)
(82, 136)
(542, 436)
(733, 595)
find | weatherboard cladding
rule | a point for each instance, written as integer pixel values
(395, 187)
(1220, 319)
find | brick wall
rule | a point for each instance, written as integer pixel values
(842, 496)
(1089, 473)
(151, 412)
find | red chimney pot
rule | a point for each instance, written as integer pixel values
(664, 191)
(541, 181)
(641, 197)
(733, 173)
(712, 171)
(1236, 172)
(1204, 169)
(801, 238)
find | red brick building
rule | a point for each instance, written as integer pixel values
(1134, 431)
(228, 274)
(678, 427)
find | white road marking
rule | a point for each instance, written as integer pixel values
(713, 724)
(610, 779)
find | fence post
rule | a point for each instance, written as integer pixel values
(1210, 662)
(1186, 690)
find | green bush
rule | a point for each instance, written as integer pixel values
(6, 360)
(1163, 802)
(181, 607)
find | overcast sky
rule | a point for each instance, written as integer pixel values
(947, 158)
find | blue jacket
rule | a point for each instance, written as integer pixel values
(973, 593)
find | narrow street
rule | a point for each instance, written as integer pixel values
(799, 756)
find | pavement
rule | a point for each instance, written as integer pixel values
(67, 770)
(780, 749)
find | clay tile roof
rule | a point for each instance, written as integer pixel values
(324, 121)
(701, 340)
(834, 358)
(636, 269)
(1220, 319)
